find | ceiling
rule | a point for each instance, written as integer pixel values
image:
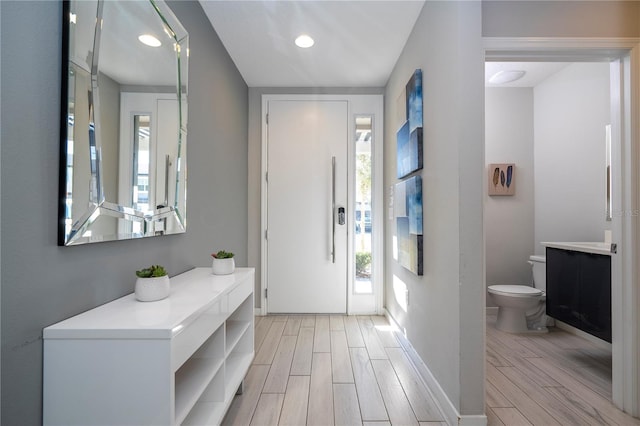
(121, 56)
(357, 43)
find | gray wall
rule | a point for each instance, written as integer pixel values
(509, 220)
(530, 18)
(43, 283)
(571, 109)
(444, 320)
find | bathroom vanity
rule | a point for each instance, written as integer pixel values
(579, 286)
(171, 362)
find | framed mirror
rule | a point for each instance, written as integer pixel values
(123, 169)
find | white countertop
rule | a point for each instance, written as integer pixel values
(585, 247)
(191, 293)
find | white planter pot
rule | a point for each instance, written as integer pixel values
(152, 289)
(223, 266)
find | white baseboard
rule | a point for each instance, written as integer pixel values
(257, 312)
(451, 414)
(472, 420)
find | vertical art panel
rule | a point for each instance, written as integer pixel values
(408, 215)
(409, 150)
(414, 100)
(408, 193)
(409, 136)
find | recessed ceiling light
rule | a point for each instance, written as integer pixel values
(149, 40)
(304, 41)
(506, 76)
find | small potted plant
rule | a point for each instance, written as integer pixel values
(152, 284)
(223, 263)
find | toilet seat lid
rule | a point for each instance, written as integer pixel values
(520, 290)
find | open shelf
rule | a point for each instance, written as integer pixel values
(191, 380)
(202, 384)
(208, 405)
(235, 331)
(236, 367)
(205, 413)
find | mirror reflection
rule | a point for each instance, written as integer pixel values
(123, 151)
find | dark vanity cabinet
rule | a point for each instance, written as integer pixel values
(579, 290)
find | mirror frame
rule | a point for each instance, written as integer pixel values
(154, 221)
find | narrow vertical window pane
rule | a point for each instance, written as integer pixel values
(141, 159)
(362, 214)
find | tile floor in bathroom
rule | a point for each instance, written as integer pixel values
(548, 379)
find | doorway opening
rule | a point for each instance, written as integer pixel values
(322, 204)
(622, 58)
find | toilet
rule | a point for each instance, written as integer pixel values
(521, 308)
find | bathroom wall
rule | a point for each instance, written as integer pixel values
(571, 109)
(509, 220)
(444, 319)
(43, 283)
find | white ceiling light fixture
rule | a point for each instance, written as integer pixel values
(506, 76)
(149, 40)
(304, 41)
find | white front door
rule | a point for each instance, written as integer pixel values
(306, 247)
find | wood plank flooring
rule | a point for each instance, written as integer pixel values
(331, 370)
(548, 379)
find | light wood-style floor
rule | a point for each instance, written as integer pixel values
(330, 370)
(548, 379)
(345, 370)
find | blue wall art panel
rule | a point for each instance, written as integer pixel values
(408, 150)
(408, 215)
(414, 100)
(409, 137)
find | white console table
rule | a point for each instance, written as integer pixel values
(178, 361)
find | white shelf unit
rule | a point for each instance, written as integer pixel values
(178, 361)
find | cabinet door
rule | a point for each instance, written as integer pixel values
(563, 301)
(595, 295)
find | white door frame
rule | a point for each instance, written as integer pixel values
(358, 105)
(625, 290)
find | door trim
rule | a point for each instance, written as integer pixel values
(625, 270)
(357, 105)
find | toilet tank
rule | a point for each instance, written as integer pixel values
(539, 266)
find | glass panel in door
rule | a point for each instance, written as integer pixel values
(363, 213)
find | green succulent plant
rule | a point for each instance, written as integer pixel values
(223, 255)
(152, 272)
